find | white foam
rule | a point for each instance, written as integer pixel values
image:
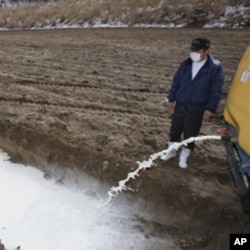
(39, 214)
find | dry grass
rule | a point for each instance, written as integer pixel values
(129, 12)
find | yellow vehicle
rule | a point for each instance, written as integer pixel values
(237, 118)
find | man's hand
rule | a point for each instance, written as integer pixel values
(171, 107)
(207, 114)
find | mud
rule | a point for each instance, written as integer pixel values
(92, 101)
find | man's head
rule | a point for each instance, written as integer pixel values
(199, 49)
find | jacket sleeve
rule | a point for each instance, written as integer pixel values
(216, 89)
(175, 84)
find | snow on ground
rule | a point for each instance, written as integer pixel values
(40, 214)
(233, 16)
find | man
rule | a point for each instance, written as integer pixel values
(194, 95)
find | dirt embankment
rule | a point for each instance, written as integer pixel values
(93, 100)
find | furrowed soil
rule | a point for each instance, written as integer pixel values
(93, 102)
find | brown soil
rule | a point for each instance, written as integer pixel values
(93, 100)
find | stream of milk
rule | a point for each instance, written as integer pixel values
(115, 190)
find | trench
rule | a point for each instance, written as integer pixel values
(62, 207)
(144, 219)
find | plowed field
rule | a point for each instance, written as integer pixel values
(92, 101)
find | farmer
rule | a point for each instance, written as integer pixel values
(194, 96)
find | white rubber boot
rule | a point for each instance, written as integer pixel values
(185, 152)
(171, 154)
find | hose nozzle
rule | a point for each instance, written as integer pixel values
(227, 135)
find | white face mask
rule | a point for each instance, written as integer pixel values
(195, 56)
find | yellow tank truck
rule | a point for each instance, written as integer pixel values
(237, 118)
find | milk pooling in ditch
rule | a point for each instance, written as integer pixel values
(40, 214)
(115, 190)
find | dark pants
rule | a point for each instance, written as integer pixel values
(187, 123)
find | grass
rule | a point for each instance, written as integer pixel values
(129, 12)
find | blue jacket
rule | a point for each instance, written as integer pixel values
(203, 92)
